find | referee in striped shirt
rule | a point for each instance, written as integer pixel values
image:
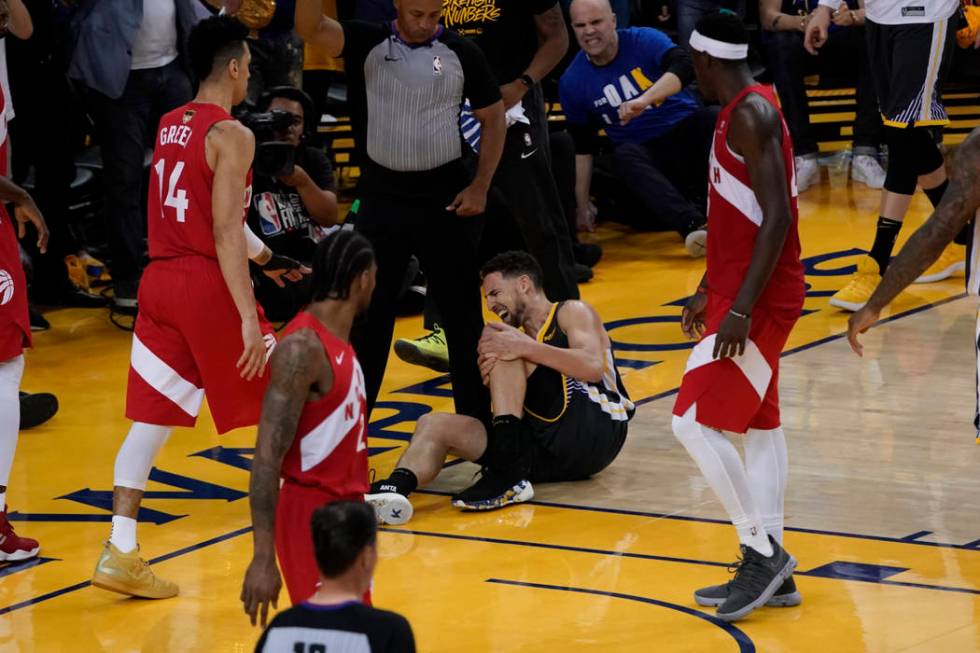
(407, 81)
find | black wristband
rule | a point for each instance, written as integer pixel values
(280, 262)
(526, 80)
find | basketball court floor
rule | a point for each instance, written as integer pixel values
(881, 508)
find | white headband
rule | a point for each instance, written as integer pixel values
(718, 49)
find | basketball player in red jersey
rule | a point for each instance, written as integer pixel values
(15, 335)
(313, 432)
(743, 312)
(199, 330)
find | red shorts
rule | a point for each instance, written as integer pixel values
(736, 394)
(187, 341)
(294, 538)
(15, 326)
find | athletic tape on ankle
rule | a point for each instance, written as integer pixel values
(718, 49)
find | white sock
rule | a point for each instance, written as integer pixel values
(132, 470)
(11, 372)
(767, 467)
(722, 467)
(123, 535)
(137, 453)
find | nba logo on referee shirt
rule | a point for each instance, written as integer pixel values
(436, 65)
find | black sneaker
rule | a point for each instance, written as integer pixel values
(583, 273)
(36, 409)
(38, 321)
(493, 491)
(587, 253)
(756, 579)
(124, 293)
(786, 596)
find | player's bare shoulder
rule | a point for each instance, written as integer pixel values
(754, 119)
(231, 139)
(577, 314)
(299, 363)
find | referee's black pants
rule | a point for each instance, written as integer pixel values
(405, 219)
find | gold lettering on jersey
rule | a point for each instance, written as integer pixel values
(460, 12)
(175, 135)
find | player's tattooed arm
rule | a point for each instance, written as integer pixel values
(958, 206)
(297, 364)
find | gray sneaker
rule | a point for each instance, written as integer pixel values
(787, 596)
(757, 578)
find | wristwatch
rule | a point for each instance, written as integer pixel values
(526, 80)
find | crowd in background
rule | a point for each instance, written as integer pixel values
(89, 81)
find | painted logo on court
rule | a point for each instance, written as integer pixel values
(6, 287)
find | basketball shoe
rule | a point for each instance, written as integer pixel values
(786, 596)
(859, 289)
(14, 548)
(127, 573)
(493, 491)
(950, 262)
(390, 507)
(428, 351)
(757, 578)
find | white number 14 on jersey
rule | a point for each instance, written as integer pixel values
(175, 199)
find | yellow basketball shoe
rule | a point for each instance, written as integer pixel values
(950, 262)
(127, 573)
(858, 290)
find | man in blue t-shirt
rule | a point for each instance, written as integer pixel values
(631, 82)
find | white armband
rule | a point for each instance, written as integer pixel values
(253, 244)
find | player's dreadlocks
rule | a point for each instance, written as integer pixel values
(338, 260)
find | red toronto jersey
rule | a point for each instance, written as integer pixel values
(734, 218)
(179, 204)
(15, 328)
(330, 449)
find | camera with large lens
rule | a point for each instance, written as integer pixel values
(274, 156)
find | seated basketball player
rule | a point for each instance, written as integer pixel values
(750, 298)
(312, 433)
(345, 543)
(960, 205)
(560, 411)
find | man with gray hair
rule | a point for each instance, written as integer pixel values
(631, 82)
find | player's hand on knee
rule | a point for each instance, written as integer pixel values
(731, 336)
(253, 356)
(692, 317)
(261, 588)
(486, 362)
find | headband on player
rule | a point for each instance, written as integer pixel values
(719, 49)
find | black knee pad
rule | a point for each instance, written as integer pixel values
(903, 169)
(928, 156)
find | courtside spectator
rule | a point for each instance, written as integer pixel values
(784, 22)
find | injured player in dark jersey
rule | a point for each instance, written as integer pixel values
(560, 411)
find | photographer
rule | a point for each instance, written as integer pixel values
(293, 201)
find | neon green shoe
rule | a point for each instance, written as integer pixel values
(428, 351)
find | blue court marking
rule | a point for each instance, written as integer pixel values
(745, 644)
(856, 571)
(12, 568)
(915, 536)
(971, 546)
(824, 341)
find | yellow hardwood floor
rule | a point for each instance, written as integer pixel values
(881, 508)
